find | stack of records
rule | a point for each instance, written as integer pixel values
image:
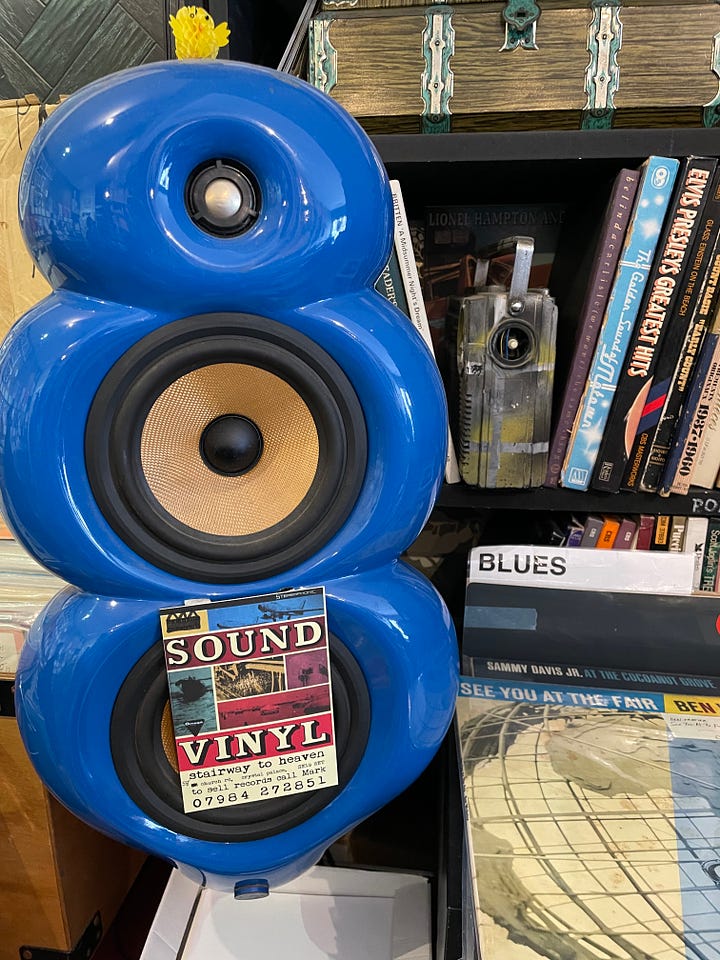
(589, 738)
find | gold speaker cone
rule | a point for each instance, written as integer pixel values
(167, 735)
(231, 506)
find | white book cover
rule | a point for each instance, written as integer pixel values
(416, 304)
(695, 535)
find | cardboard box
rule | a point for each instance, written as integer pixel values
(21, 284)
(60, 878)
(61, 882)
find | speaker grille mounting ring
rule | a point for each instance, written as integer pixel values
(145, 464)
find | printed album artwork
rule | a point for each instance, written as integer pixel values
(588, 726)
(454, 234)
(593, 812)
(250, 697)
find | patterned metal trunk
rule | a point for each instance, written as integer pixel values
(520, 65)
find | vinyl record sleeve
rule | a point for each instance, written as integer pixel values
(588, 724)
(593, 811)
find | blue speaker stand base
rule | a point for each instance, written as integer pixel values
(328, 912)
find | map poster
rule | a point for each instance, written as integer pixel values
(250, 697)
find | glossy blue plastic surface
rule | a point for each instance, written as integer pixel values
(106, 175)
(53, 361)
(102, 207)
(78, 654)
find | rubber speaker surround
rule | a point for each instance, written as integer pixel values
(141, 761)
(121, 406)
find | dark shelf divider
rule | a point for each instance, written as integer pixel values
(704, 503)
(556, 145)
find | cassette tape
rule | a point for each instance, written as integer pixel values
(504, 336)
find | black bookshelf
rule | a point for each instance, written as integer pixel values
(517, 166)
(541, 145)
(702, 503)
(551, 165)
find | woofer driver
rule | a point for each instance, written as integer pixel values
(226, 447)
(143, 749)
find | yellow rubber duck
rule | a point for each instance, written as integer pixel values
(196, 36)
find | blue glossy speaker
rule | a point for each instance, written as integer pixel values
(215, 403)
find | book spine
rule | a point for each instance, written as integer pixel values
(633, 412)
(699, 374)
(608, 534)
(389, 284)
(653, 197)
(646, 527)
(696, 308)
(677, 534)
(707, 458)
(698, 414)
(591, 532)
(574, 537)
(415, 309)
(625, 539)
(711, 557)
(695, 536)
(612, 236)
(661, 533)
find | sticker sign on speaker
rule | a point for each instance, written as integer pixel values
(250, 698)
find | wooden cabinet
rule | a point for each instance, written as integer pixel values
(61, 882)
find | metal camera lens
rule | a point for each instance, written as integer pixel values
(512, 344)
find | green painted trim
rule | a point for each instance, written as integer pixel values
(711, 110)
(602, 75)
(438, 45)
(521, 17)
(322, 60)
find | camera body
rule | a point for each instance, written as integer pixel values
(504, 339)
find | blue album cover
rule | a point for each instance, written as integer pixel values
(653, 199)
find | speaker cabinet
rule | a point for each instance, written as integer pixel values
(215, 403)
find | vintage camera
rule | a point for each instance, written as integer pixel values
(504, 335)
